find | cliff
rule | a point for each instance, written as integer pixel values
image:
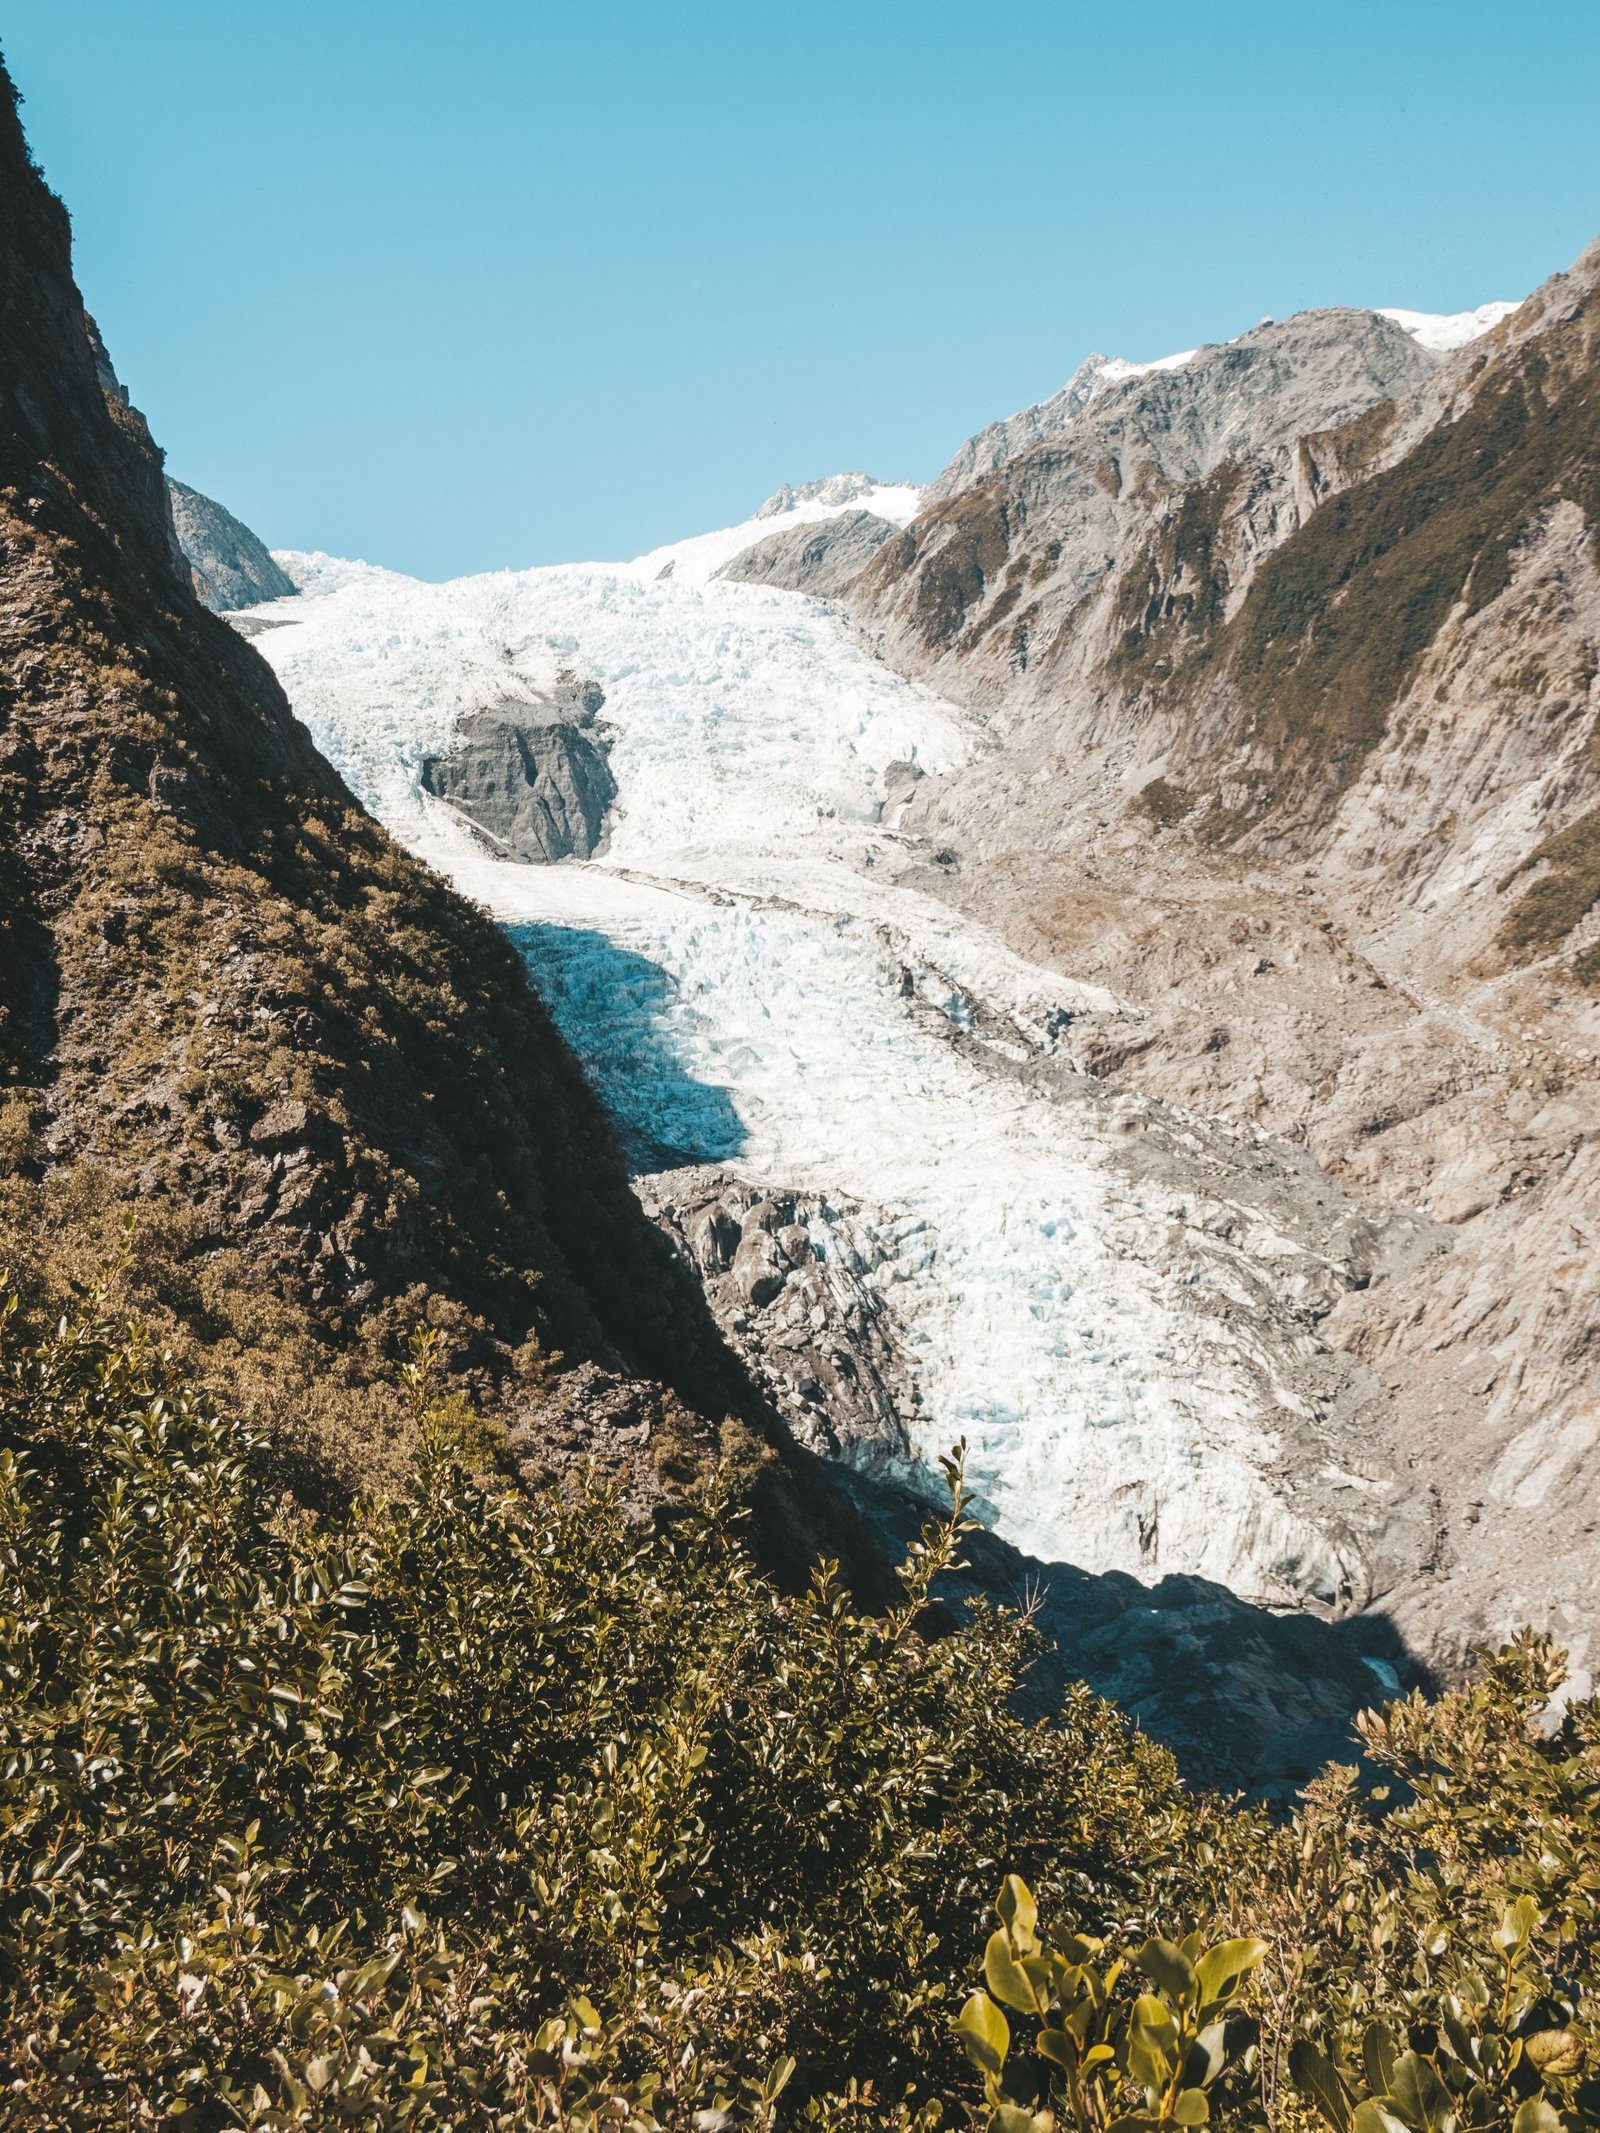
(229, 567)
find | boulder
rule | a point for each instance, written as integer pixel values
(538, 787)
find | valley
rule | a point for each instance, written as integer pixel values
(1010, 1061)
(1114, 1303)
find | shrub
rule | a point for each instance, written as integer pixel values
(471, 1809)
(481, 1810)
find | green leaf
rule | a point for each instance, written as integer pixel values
(1515, 1929)
(1022, 1985)
(1462, 2042)
(1555, 2052)
(1418, 2095)
(1206, 2056)
(1153, 2018)
(1151, 2035)
(985, 2032)
(1222, 1969)
(1371, 2117)
(1317, 2079)
(1167, 1964)
(1191, 2108)
(1016, 1907)
(1535, 2116)
(1378, 2057)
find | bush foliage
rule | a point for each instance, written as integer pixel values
(475, 1810)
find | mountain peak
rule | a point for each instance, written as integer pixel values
(834, 490)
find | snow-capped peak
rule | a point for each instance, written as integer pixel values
(1443, 331)
(834, 490)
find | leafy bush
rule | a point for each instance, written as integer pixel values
(476, 1810)
(1163, 2049)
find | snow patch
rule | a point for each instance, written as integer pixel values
(1113, 369)
(1443, 331)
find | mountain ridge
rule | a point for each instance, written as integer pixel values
(1295, 741)
(235, 1013)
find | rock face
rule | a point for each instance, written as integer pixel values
(1001, 442)
(530, 776)
(230, 1002)
(1293, 655)
(820, 558)
(791, 1286)
(1009, 578)
(230, 568)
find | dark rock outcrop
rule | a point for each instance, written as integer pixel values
(229, 566)
(794, 1292)
(538, 787)
(820, 557)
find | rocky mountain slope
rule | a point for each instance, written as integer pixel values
(229, 567)
(821, 558)
(234, 1010)
(1289, 656)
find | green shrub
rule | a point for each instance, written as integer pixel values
(483, 1810)
(471, 1809)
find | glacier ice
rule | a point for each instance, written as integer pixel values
(748, 989)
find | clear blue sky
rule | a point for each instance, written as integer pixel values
(504, 282)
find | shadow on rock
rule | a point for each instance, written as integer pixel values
(1245, 1699)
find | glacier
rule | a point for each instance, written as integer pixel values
(749, 987)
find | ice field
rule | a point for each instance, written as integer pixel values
(748, 988)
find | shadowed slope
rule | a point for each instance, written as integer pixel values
(230, 1002)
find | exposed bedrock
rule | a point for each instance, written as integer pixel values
(229, 566)
(820, 558)
(790, 1280)
(531, 776)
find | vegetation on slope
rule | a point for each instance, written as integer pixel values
(476, 1811)
(230, 1000)
(1565, 893)
(1337, 621)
